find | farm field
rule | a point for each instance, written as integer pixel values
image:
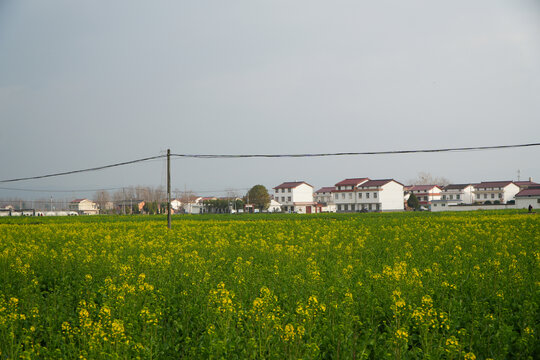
(361, 286)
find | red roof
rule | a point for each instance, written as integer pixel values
(325, 189)
(491, 184)
(456, 186)
(422, 187)
(78, 200)
(291, 185)
(354, 181)
(527, 183)
(534, 191)
(380, 182)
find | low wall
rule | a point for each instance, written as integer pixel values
(470, 207)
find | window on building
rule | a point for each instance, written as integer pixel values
(493, 196)
(485, 196)
(339, 207)
(288, 198)
(343, 196)
(337, 196)
(444, 197)
(345, 207)
(359, 195)
(500, 195)
(289, 190)
(369, 206)
(367, 196)
(350, 195)
(478, 196)
(451, 197)
(374, 195)
(457, 196)
(283, 198)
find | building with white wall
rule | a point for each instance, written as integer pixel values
(454, 194)
(529, 196)
(345, 196)
(425, 194)
(325, 197)
(380, 195)
(295, 196)
(495, 191)
(84, 207)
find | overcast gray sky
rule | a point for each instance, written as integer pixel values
(88, 83)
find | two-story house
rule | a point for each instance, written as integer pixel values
(84, 207)
(345, 194)
(295, 196)
(455, 194)
(495, 191)
(425, 193)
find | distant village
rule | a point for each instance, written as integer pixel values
(346, 196)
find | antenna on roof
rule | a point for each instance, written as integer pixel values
(519, 175)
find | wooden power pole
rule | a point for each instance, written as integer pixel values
(169, 188)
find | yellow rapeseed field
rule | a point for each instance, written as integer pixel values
(364, 286)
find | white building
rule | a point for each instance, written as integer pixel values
(345, 194)
(454, 194)
(295, 196)
(274, 206)
(84, 207)
(425, 194)
(529, 196)
(193, 206)
(176, 205)
(325, 198)
(495, 191)
(380, 195)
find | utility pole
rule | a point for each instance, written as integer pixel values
(169, 188)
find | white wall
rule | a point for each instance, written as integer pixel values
(469, 207)
(510, 192)
(302, 193)
(391, 197)
(524, 202)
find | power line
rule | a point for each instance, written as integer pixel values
(390, 152)
(84, 170)
(233, 156)
(60, 191)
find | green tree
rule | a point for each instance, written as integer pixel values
(259, 197)
(412, 202)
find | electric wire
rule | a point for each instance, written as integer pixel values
(389, 152)
(305, 155)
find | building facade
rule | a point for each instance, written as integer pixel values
(380, 195)
(84, 207)
(325, 198)
(295, 196)
(495, 191)
(425, 194)
(345, 194)
(528, 197)
(454, 194)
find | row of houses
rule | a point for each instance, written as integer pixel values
(349, 195)
(365, 194)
